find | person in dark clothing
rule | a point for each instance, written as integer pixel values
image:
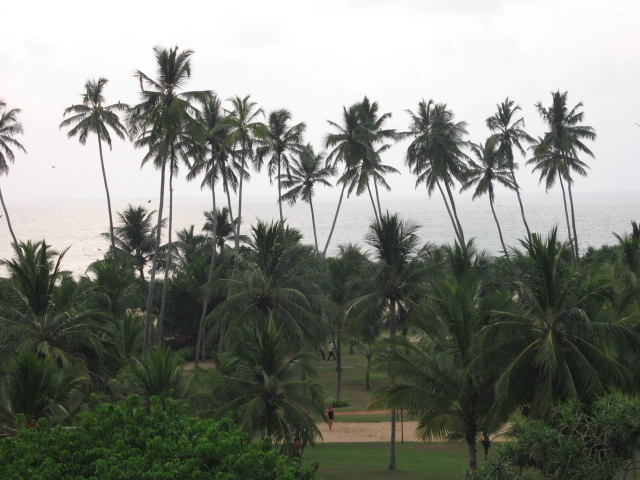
(332, 349)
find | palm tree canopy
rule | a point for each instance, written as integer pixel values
(509, 133)
(305, 171)
(92, 116)
(435, 153)
(281, 141)
(490, 169)
(9, 128)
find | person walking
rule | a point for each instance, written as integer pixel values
(330, 415)
(332, 349)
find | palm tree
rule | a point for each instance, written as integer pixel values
(509, 134)
(559, 344)
(45, 312)
(435, 154)
(305, 170)
(439, 381)
(491, 168)
(396, 281)
(135, 236)
(281, 142)
(224, 228)
(565, 139)
(276, 281)
(167, 123)
(93, 117)
(243, 130)
(160, 374)
(9, 128)
(261, 384)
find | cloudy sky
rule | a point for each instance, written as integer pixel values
(313, 58)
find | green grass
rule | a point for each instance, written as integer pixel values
(353, 380)
(364, 461)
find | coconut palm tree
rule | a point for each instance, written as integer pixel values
(44, 311)
(225, 230)
(435, 154)
(9, 128)
(243, 130)
(559, 344)
(167, 123)
(509, 134)
(276, 281)
(395, 285)
(91, 116)
(305, 171)
(549, 163)
(281, 142)
(439, 382)
(261, 384)
(491, 168)
(565, 139)
(135, 236)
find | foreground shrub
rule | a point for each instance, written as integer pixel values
(128, 441)
(596, 442)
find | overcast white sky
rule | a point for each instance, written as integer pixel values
(313, 58)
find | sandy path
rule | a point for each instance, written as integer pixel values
(365, 431)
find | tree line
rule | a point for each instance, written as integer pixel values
(468, 340)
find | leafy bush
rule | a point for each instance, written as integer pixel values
(596, 442)
(339, 403)
(127, 441)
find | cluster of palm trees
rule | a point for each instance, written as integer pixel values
(471, 339)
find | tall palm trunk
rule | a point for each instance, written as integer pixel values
(205, 300)
(338, 350)
(335, 218)
(526, 225)
(573, 218)
(392, 348)
(455, 214)
(237, 239)
(165, 284)
(279, 191)
(373, 204)
(313, 222)
(375, 186)
(226, 189)
(154, 264)
(106, 188)
(566, 214)
(453, 221)
(13, 235)
(504, 247)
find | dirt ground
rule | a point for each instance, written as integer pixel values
(365, 431)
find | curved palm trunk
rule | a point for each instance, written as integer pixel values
(526, 225)
(375, 186)
(106, 188)
(573, 220)
(392, 348)
(566, 214)
(453, 222)
(212, 267)
(335, 218)
(375, 210)
(165, 284)
(154, 264)
(313, 222)
(504, 247)
(455, 214)
(13, 235)
(338, 345)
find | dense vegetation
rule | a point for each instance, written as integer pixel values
(469, 341)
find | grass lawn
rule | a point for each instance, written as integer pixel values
(364, 461)
(353, 376)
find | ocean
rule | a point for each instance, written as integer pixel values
(77, 224)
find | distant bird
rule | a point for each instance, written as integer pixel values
(53, 166)
(149, 201)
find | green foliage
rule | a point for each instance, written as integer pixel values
(597, 442)
(126, 441)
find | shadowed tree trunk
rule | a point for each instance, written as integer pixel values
(335, 218)
(106, 188)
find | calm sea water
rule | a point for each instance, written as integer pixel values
(78, 223)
